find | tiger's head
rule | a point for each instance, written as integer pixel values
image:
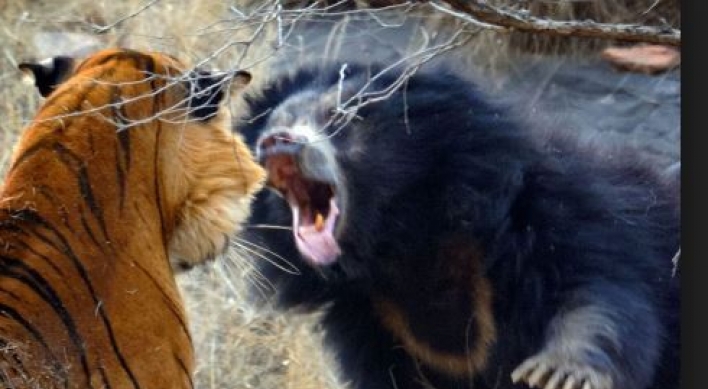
(128, 171)
(171, 142)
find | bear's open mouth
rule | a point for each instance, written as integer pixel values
(313, 204)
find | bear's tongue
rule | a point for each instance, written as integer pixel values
(313, 206)
(315, 239)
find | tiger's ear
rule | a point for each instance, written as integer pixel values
(48, 74)
(207, 91)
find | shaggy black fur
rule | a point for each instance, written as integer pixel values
(472, 242)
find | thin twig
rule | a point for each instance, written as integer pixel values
(481, 11)
(104, 29)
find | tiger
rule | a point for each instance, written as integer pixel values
(128, 174)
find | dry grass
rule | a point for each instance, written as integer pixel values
(241, 346)
(238, 345)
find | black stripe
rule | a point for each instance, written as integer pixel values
(9, 223)
(118, 109)
(149, 65)
(154, 87)
(182, 366)
(87, 194)
(116, 349)
(13, 295)
(104, 377)
(58, 366)
(123, 146)
(11, 313)
(124, 139)
(55, 201)
(66, 249)
(82, 94)
(17, 270)
(150, 70)
(46, 259)
(73, 162)
(168, 302)
(32, 218)
(158, 197)
(145, 63)
(120, 178)
(87, 228)
(92, 145)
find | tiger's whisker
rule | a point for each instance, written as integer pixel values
(268, 226)
(255, 249)
(250, 272)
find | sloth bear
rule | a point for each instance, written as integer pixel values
(452, 245)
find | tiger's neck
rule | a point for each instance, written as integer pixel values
(87, 295)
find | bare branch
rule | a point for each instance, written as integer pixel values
(104, 29)
(480, 11)
(346, 109)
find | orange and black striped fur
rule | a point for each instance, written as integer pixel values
(128, 171)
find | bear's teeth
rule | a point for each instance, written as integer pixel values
(319, 222)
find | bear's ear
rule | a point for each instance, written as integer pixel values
(240, 79)
(207, 91)
(48, 74)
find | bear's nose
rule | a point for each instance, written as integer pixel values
(280, 142)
